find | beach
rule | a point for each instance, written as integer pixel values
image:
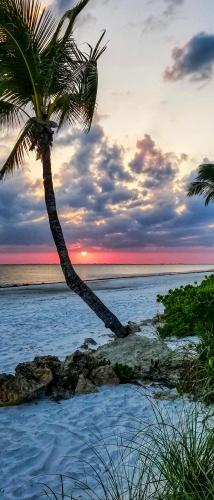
(42, 437)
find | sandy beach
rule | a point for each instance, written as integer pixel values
(48, 319)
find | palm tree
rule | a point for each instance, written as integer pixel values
(204, 183)
(46, 81)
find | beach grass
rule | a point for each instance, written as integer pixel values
(162, 461)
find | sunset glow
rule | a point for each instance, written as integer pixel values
(121, 189)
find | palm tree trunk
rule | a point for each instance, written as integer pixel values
(73, 281)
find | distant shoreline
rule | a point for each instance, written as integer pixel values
(107, 278)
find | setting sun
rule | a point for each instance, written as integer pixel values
(84, 254)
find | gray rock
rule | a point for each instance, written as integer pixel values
(134, 351)
(151, 359)
(104, 375)
(134, 328)
(84, 386)
(87, 342)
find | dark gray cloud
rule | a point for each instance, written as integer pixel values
(158, 167)
(106, 203)
(195, 59)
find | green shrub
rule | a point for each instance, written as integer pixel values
(198, 374)
(189, 310)
(124, 372)
(102, 362)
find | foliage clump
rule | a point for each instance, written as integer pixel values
(124, 372)
(102, 362)
(189, 310)
(199, 376)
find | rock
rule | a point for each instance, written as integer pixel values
(81, 362)
(39, 369)
(150, 359)
(134, 351)
(134, 328)
(131, 358)
(84, 386)
(87, 342)
(74, 365)
(156, 320)
(104, 375)
(18, 389)
(30, 380)
(90, 341)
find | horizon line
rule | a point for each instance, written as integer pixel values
(108, 264)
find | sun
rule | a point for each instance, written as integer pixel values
(84, 254)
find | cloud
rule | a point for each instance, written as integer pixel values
(107, 202)
(155, 22)
(171, 6)
(195, 59)
(158, 167)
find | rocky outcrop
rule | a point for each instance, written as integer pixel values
(29, 381)
(85, 386)
(104, 375)
(123, 360)
(150, 359)
(88, 342)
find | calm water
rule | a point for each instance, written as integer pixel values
(36, 274)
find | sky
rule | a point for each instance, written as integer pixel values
(121, 189)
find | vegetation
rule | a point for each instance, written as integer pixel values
(46, 82)
(198, 375)
(188, 310)
(125, 373)
(102, 362)
(166, 461)
(204, 183)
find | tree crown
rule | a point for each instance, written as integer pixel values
(45, 78)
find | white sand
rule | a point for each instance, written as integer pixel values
(40, 438)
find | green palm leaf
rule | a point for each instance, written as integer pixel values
(10, 114)
(204, 183)
(80, 103)
(70, 15)
(17, 155)
(24, 31)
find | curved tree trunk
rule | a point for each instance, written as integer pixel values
(73, 281)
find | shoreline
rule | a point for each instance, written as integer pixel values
(107, 278)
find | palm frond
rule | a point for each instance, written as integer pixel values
(68, 109)
(204, 183)
(89, 82)
(16, 157)
(70, 15)
(25, 30)
(10, 114)
(73, 82)
(37, 19)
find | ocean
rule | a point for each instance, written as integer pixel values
(18, 275)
